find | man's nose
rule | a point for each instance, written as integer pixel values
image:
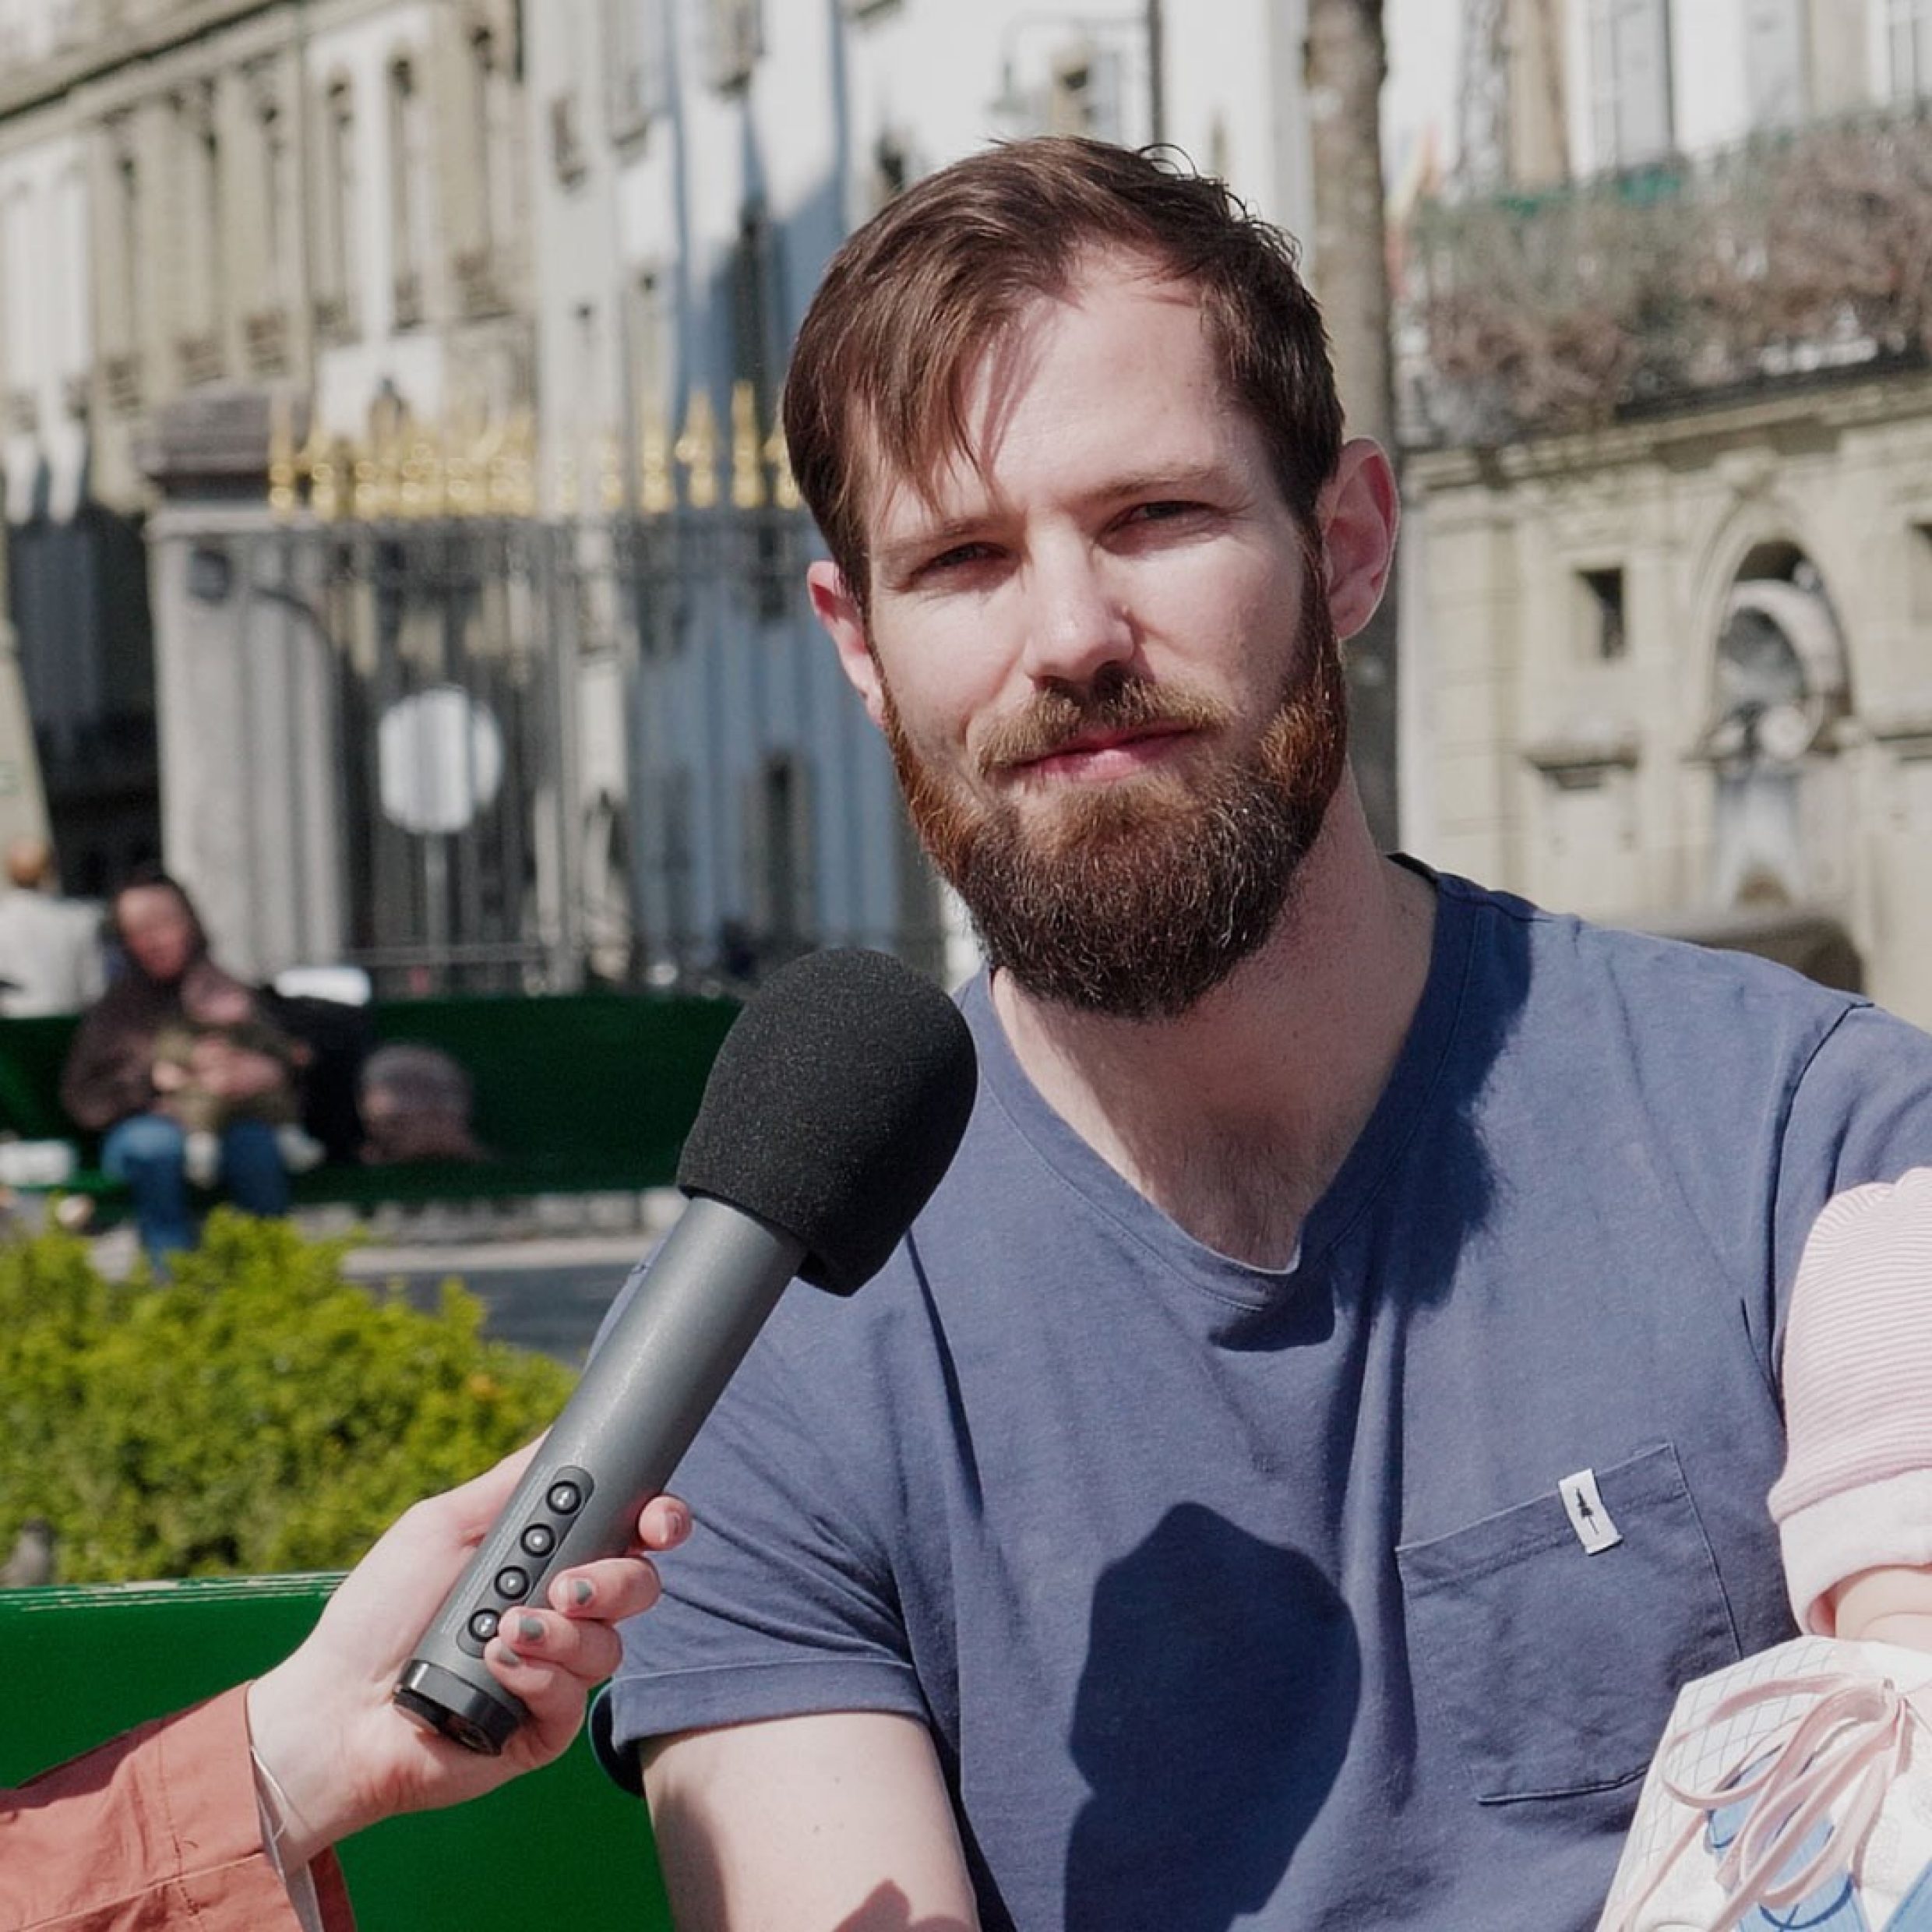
(1077, 622)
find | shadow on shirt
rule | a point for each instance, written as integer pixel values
(1208, 1744)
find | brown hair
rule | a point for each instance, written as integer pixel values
(912, 300)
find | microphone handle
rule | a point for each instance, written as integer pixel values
(647, 1389)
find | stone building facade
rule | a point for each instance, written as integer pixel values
(1668, 588)
(326, 202)
(1678, 674)
(322, 261)
(313, 216)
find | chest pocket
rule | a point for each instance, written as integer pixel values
(1552, 1669)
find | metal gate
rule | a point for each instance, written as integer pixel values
(436, 689)
(410, 724)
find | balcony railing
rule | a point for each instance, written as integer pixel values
(266, 332)
(335, 319)
(1788, 255)
(199, 358)
(121, 380)
(480, 283)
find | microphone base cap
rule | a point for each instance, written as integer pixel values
(443, 1701)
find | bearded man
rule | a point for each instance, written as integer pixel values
(1328, 1407)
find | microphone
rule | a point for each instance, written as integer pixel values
(834, 1107)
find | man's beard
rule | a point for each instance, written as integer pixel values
(1135, 899)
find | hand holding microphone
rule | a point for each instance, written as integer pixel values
(833, 1108)
(332, 1748)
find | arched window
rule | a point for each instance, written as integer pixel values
(74, 322)
(340, 307)
(1632, 113)
(20, 268)
(199, 303)
(409, 188)
(493, 106)
(277, 272)
(1909, 48)
(125, 294)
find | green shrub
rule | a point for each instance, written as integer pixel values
(258, 1414)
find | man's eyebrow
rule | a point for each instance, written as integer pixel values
(928, 539)
(1169, 480)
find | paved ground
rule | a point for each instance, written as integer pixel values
(546, 1290)
(549, 1292)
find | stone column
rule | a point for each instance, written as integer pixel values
(246, 688)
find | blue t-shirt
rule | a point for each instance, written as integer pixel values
(1355, 1595)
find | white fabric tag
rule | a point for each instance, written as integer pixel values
(1588, 1516)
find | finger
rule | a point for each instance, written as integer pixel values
(663, 1523)
(553, 1698)
(541, 1640)
(606, 1592)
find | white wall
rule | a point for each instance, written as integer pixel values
(1420, 131)
(32, 30)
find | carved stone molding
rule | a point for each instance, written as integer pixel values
(1580, 761)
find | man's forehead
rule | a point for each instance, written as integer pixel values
(901, 502)
(947, 465)
(945, 475)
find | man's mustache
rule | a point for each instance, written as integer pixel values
(1055, 717)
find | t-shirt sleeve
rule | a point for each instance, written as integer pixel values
(1861, 1111)
(783, 1603)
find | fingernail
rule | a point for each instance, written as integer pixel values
(680, 1523)
(581, 1592)
(530, 1629)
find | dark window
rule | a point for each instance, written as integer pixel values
(1603, 591)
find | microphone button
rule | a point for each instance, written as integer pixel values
(566, 1498)
(539, 1539)
(511, 1582)
(483, 1625)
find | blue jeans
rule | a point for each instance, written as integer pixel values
(145, 1150)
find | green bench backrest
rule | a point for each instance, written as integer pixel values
(561, 1847)
(600, 1089)
(574, 1092)
(32, 1054)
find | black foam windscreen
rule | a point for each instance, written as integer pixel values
(834, 1107)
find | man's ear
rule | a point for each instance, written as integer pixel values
(1358, 513)
(838, 610)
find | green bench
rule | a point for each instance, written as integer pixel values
(575, 1094)
(563, 1846)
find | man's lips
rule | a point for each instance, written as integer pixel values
(1101, 754)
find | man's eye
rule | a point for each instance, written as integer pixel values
(1164, 511)
(960, 556)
